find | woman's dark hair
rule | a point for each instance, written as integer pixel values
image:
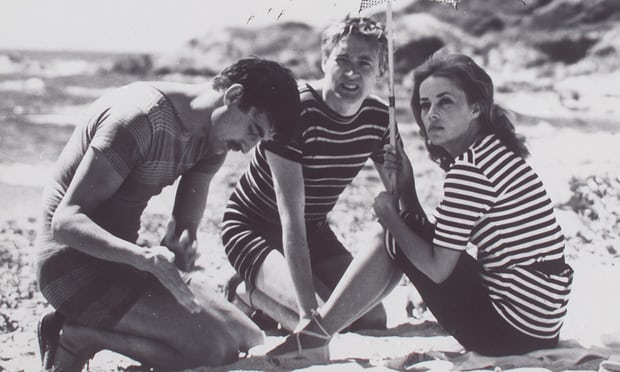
(478, 88)
(268, 86)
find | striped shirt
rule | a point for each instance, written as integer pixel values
(138, 131)
(331, 149)
(494, 201)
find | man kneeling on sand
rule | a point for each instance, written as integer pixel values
(110, 293)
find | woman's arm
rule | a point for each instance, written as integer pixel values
(397, 166)
(435, 262)
(290, 196)
(189, 208)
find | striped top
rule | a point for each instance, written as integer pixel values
(138, 131)
(331, 148)
(496, 202)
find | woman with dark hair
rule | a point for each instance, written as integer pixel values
(478, 87)
(511, 298)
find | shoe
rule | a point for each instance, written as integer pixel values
(48, 334)
(230, 289)
(291, 354)
(262, 320)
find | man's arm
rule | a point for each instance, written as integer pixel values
(95, 181)
(290, 196)
(189, 208)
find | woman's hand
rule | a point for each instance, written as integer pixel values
(385, 207)
(398, 168)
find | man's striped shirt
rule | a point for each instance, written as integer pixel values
(137, 130)
(331, 148)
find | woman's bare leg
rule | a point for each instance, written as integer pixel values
(371, 276)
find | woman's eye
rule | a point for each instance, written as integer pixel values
(445, 101)
(424, 106)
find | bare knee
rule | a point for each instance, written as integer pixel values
(223, 346)
(224, 351)
(219, 336)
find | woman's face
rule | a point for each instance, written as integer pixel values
(351, 70)
(448, 118)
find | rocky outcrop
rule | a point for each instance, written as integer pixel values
(287, 43)
(548, 58)
(545, 31)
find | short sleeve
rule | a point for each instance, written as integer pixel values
(123, 138)
(290, 150)
(468, 195)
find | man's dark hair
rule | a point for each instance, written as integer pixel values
(269, 87)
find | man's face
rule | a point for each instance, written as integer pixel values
(351, 70)
(241, 130)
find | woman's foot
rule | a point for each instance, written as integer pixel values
(308, 346)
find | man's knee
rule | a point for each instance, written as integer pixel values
(224, 346)
(245, 335)
(219, 353)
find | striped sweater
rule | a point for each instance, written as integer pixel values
(137, 130)
(494, 201)
(331, 148)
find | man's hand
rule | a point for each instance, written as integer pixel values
(159, 262)
(184, 248)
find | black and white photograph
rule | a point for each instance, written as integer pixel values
(309, 185)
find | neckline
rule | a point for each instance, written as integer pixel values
(331, 112)
(175, 113)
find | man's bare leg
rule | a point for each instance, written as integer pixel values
(274, 293)
(288, 318)
(161, 333)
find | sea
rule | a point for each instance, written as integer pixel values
(43, 96)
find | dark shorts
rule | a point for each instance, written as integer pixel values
(89, 291)
(247, 241)
(462, 305)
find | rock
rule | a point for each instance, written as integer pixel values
(135, 64)
(418, 35)
(287, 43)
(509, 34)
(563, 14)
(415, 52)
(566, 47)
